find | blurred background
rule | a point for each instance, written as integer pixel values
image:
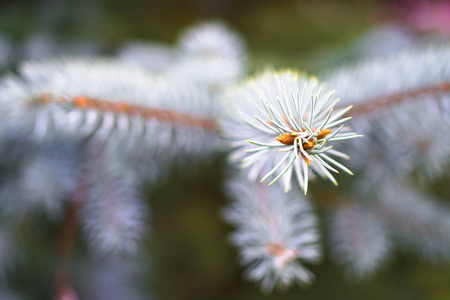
(189, 256)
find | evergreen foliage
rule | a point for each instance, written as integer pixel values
(81, 137)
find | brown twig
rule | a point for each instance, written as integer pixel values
(124, 108)
(172, 116)
(384, 102)
(69, 230)
(66, 245)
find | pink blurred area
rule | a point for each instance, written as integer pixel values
(422, 15)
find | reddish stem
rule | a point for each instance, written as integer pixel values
(383, 102)
(172, 116)
(124, 108)
(67, 239)
(66, 245)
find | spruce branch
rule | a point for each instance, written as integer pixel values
(67, 239)
(170, 116)
(69, 229)
(29, 166)
(116, 104)
(207, 53)
(364, 230)
(281, 126)
(400, 102)
(417, 221)
(114, 219)
(152, 55)
(142, 114)
(384, 102)
(409, 76)
(359, 239)
(211, 38)
(275, 233)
